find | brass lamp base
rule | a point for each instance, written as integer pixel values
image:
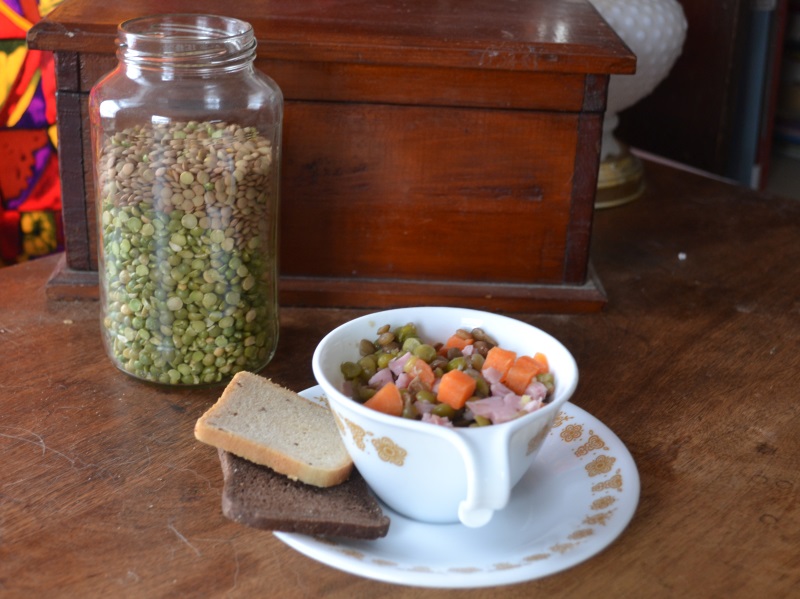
(620, 180)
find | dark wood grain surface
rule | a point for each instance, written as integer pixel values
(383, 104)
(546, 35)
(694, 363)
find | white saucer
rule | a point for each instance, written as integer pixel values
(578, 497)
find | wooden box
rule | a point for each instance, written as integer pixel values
(434, 152)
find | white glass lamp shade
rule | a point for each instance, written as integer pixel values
(655, 31)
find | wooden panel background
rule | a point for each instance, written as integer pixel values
(427, 193)
(454, 145)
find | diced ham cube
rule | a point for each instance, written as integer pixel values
(381, 378)
(423, 407)
(498, 409)
(492, 375)
(536, 390)
(499, 389)
(403, 379)
(531, 405)
(397, 364)
(439, 420)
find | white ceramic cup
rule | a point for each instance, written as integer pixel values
(434, 473)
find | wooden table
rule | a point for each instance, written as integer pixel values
(694, 364)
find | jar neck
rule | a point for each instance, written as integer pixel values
(186, 44)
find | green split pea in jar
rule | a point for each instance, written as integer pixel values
(186, 140)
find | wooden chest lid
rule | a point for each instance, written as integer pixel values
(566, 36)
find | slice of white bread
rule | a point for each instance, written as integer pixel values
(270, 425)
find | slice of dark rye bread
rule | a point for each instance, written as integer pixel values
(259, 497)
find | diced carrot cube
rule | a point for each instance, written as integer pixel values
(417, 367)
(521, 373)
(501, 360)
(455, 388)
(387, 400)
(542, 359)
(458, 341)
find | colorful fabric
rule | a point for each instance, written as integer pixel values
(30, 192)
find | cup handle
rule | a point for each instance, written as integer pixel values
(488, 483)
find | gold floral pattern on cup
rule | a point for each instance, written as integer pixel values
(358, 434)
(389, 451)
(338, 422)
(537, 440)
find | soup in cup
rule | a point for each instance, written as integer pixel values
(429, 472)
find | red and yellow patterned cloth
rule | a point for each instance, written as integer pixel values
(30, 192)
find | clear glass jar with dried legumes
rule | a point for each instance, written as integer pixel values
(186, 139)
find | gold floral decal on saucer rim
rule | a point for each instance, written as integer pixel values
(563, 547)
(572, 432)
(383, 562)
(389, 451)
(560, 419)
(353, 553)
(603, 502)
(594, 442)
(465, 570)
(536, 557)
(615, 482)
(600, 518)
(581, 534)
(602, 464)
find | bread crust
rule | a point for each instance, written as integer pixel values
(258, 497)
(228, 425)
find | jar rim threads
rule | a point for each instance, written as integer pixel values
(196, 43)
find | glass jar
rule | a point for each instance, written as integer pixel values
(186, 140)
